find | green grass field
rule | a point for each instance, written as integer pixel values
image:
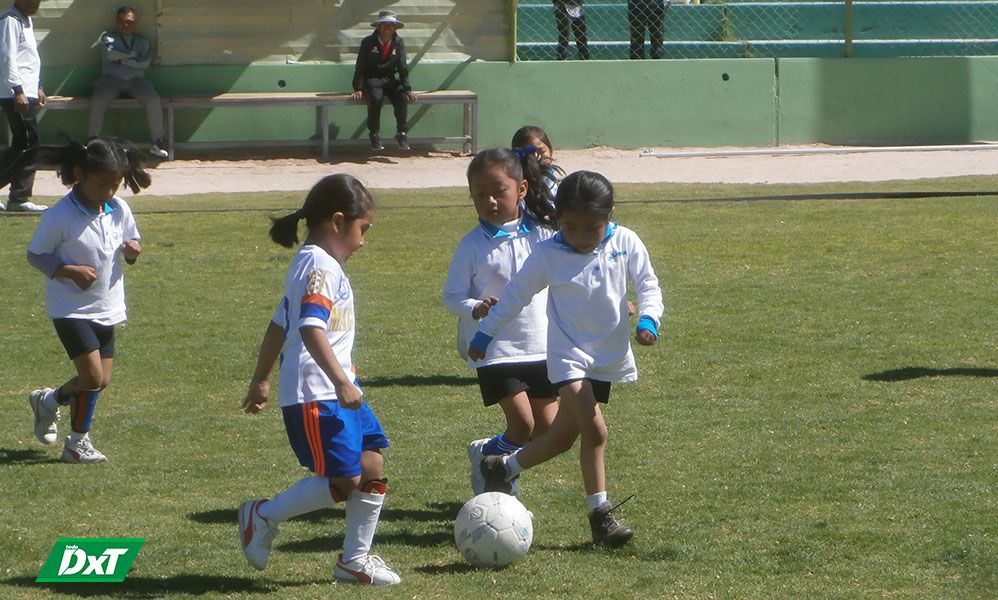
(818, 421)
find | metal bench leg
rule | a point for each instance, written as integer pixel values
(169, 132)
(324, 125)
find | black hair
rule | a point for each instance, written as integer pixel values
(520, 164)
(128, 9)
(585, 191)
(103, 154)
(339, 193)
(522, 136)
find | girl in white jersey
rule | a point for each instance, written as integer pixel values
(332, 430)
(513, 217)
(585, 268)
(534, 136)
(82, 245)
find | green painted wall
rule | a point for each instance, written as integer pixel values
(888, 101)
(630, 104)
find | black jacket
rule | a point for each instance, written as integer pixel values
(369, 64)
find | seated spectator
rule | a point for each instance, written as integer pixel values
(381, 57)
(569, 14)
(125, 57)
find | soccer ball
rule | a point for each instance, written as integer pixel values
(493, 530)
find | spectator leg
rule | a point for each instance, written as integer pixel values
(656, 29)
(375, 97)
(581, 39)
(143, 91)
(394, 91)
(636, 23)
(562, 21)
(17, 166)
(105, 90)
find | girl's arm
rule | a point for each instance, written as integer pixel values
(318, 346)
(46, 263)
(458, 284)
(647, 292)
(259, 387)
(528, 281)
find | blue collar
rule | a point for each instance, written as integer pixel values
(526, 225)
(611, 228)
(108, 207)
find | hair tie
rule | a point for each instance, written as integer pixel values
(525, 151)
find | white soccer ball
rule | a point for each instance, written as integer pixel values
(493, 530)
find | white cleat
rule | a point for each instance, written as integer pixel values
(475, 455)
(25, 207)
(370, 569)
(256, 534)
(46, 419)
(82, 452)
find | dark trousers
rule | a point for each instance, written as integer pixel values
(376, 90)
(578, 26)
(17, 166)
(642, 15)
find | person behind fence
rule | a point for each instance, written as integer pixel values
(646, 15)
(569, 14)
(381, 57)
(20, 96)
(125, 56)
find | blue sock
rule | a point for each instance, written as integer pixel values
(499, 445)
(82, 410)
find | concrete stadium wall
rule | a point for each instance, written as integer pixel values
(630, 104)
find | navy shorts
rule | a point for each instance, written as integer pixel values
(328, 440)
(601, 389)
(80, 336)
(499, 381)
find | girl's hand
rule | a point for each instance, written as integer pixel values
(256, 397)
(482, 308)
(645, 338)
(349, 395)
(131, 250)
(82, 275)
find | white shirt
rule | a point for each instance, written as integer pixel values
(316, 294)
(78, 236)
(19, 62)
(484, 262)
(588, 326)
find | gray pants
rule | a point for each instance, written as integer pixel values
(107, 89)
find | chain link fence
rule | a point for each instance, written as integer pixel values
(622, 29)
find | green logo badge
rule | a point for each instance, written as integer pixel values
(99, 560)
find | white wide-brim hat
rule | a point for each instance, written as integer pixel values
(387, 17)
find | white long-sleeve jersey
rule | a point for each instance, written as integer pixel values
(483, 264)
(588, 326)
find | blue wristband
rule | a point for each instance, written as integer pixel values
(480, 342)
(646, 323)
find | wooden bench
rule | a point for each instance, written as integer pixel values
(321, 101)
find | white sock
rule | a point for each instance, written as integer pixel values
(513, 465)
(75, 436)
(363, 511)
(309, 494)
(596, 500)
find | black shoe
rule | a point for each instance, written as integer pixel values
(495, 473)
(376, 142)
(607, 530)
(403, 140)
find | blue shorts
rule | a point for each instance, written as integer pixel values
(328, 440)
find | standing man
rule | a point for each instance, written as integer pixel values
(381, 56)
(125, 57)
(20, 96)
(650, 15)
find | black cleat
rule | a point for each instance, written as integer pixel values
(376, 142)
(495, 473)
(607, 530)
(403, 140)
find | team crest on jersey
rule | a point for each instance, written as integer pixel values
(617, 253)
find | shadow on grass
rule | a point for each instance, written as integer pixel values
(906, 373)
(25, 456)
(435, 511)
(156, 587)
(417, 380)
(454, 567)
(334, 543)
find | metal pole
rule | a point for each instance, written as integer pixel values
(806, 151)
(514, 22)
(848, 29)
